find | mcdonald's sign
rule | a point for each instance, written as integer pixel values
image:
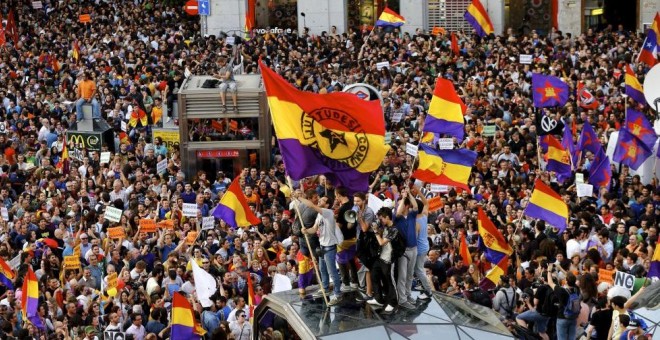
(84, 140)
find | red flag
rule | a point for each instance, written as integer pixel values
(3, 39)
(11, 29)
(56, 64)
(465, 252)
(217, 125)
(454, 44)
(586, 100)
(250, 294)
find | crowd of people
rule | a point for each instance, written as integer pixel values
(129, 62)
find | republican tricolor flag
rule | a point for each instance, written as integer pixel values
(30, 299)
(233, 208)
(184, 325)
(446, 111)
(478, 17)
(390, 18)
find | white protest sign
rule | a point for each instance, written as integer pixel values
(584, 190)
(446, 143)
(439, 188)
(105, 157)
(388, 137)
(113, 214)
(15, 262)
(526, 59)
(281, 283)
(161, 167)
(374, 203)
(396, 116)
(379, 66)
(190, 209)
(411, 149)
(230, 41)
(37, 5)
(624, 280)
(208, 222)
(579, 177)
(5, 213)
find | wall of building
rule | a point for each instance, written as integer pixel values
(495, 9)
(413, 11)
(647, 10)
(226, 15)
(320, 15)
(570, 17)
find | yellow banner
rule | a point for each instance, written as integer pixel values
(171, 138)
(71, 262)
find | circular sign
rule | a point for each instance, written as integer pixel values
(652, 87)
(364, 91)
(191, 7)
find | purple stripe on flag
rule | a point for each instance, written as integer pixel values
(475, 24)
(654, 269)
(32, 312)
(432, 124)
(226, 214)
(305, 280)
(550, 217)
(636, 95)
(303, 161)
(345, 256)
(181, 332)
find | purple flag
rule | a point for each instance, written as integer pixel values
(630, 150)
(548, 91)
(640, 126)
(568, 144)
(589, 139)
(600, 172)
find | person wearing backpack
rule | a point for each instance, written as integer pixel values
(405, 221)
(535, 313)
(505, 300)
(381, 271)
(569, 299)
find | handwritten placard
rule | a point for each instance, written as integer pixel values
(5, 213)
(396, 116)
(579, 177)
(435, 203)
(84, 18)
(76, 251)
(166, 224)
(105, 157)
(606, 276)
(190, 209)
(112, 280)
(113, 214)
(526, 59)
(584, 190)
(439, 188)
(446, 143)
(71, 262)
(411, 149)
(148, 225)
(382, 64)
(161, 166)
(116, 232)
(191, 237)
(208, 222)
(489, 130)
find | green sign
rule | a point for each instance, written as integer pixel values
(489, 130)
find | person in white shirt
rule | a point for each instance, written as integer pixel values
(137, 329)
(241, 307)
(241, 329)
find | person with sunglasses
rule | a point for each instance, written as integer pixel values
(241, 328)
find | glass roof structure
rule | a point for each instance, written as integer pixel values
(647, 307)
(443, 317)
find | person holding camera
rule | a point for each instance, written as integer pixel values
(328, 232)
(566, 314)
(381, 273)
(535, 311)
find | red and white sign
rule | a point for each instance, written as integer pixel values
(217, 154)
(191, 7)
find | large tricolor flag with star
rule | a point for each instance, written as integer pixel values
(338, 135)
(640, 126)
(548, 91)
(630, 150)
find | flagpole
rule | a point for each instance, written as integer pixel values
(311, 251)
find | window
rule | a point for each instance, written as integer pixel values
(448, 14)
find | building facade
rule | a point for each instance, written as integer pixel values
(571, 16)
